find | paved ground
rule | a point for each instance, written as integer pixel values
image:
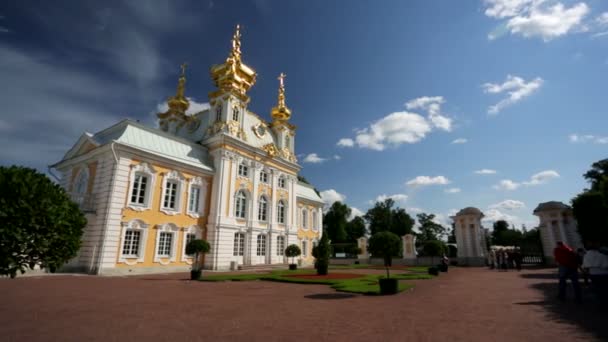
(467, 304)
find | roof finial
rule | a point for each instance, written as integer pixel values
(281, 102)
(281, 112)
(236, 44)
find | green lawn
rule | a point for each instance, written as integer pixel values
(368, 284)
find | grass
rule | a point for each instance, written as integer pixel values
(422, 269)
(367, 284)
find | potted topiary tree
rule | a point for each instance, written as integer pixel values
(385, 245)
(322, 253)
(292, 251)
(197, 247)
(435, 248)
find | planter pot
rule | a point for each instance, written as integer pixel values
(293, 267)
(433, 271)
(389, 286)
(195, 275)
(442, 267)
(322, 268)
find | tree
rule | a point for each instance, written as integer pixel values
(322, 254)
(590, 209)
(41, 225)
(385, 245)
(434, 248)
(335, 221)
(355, 229)
(597, 174)
(197, 247)
(292, 251)
(502, 235)
(452, 235)
(382, 217)
(429, 229)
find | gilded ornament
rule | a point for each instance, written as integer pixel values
(271, 149)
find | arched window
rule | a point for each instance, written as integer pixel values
(262, 209)
(315, 225)
(218, 112)
(282, 182)
(142, 186)
(281, 212)
(304, 218)
(81, 183)
(239, 244)
(240, 205)
(243, 170)
(235, 113)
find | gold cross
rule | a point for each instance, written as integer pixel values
(183, 67)
(281, 79)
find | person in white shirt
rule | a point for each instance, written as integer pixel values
(596, 263)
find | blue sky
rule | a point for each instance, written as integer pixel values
(398, 98)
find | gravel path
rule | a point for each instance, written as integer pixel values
(466, 304)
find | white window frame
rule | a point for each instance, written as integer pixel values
(179, 179)
(305, 248)
(263, 209)
(147, 170)
(201, 184)
(236, 112)
(244, 206)
(243, 170)
(281, 215)
(166, 228)
(304, 219)
(264, 177)
(282, 182)
(198, 234)
(287, 141)
(238, 247)
(261, 245)
(218, 112)
(315, 220)
(142, 227)
(281, 245)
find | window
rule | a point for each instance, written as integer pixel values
(189, 237)
(240, 206)
(218, 112)
(130, 246)
(282, 182)
(280, 245)
(243, 170)
(281, 212)
(261, 251)
(164, 244)
(304, 218)
(194, 201)
(239, 244)
(304, 248)
(81, 183)
(170, 200)
(138, 194)
(262, 209)
(315, 225)
(287, 141)
(264, 177)
(235, 114)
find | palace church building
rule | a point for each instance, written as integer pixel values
(224, 174)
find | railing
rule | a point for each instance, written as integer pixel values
(86, 202)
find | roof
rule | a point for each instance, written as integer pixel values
(469, 211)
(307, 192)
(551, 205)
(154, 141)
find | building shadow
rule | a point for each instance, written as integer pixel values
(330, 296)
(588, 316)
(539, 276)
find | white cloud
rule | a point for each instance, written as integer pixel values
(313, 158)
(426, 180)
(542, 177)
(414, 210)
(394, 129)
(195, 107)
(602, 19)
(575, 138)
(536, 179)
(517, 89)
(346, 142)
(330, 196)
(493, 215)
(506, 184)
(485, 172)
(452, 190)
(508, 205)
(432, 105)
(337, 157)
(537, 18)
(459, 141)
(354, 212)
(395, 197)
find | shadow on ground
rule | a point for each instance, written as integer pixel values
(330, 296)
(587, 316)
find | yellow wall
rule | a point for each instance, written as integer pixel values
(307, 234)
(154, 217)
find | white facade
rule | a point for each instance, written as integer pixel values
(470, 235)
(556, 224)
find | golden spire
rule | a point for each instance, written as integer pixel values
(235, 53)
(178, 104)
(281, 112)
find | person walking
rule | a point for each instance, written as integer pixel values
(566, 260)
(596, 263)
(580, 252)
(517, 258)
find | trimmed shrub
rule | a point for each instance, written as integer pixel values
(433, 271)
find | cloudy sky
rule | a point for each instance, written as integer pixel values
(498, 104)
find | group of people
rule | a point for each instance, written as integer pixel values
(592, 263)
(505, 258)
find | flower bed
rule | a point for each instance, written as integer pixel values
(327, 276)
